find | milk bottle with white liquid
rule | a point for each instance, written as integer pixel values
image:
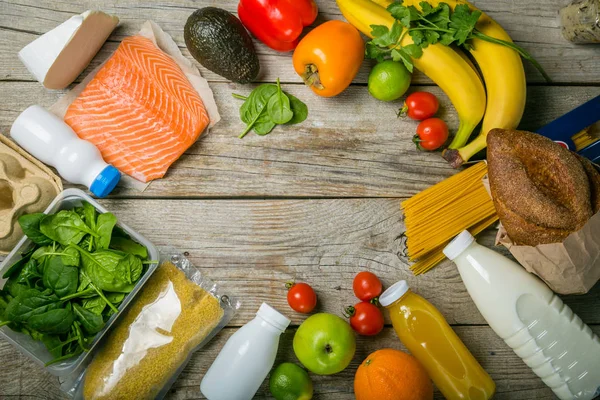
(246, 359)
(532, 320)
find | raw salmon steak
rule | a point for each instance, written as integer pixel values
(139, 110)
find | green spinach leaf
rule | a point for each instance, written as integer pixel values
(62, 279)
(254, 110)
(94, 304)
(128, 246)
(65, 227)
(108, 270)
(15, 268)
(53, 321)
(90, 322)
(30, 224)
(104, 227)
(89, 215)
(278, 107)
(29, 274)
(27, 303)
(299, 110)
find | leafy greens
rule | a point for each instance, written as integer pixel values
(268, 106)
(430, 25)
(64, 289)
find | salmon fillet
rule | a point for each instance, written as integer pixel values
(139, 110)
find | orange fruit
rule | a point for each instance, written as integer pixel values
(390, 374)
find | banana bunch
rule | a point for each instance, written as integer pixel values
(500, 66)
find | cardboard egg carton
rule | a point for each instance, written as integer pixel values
(26, 186)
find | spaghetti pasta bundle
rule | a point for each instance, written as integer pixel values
(434, 216)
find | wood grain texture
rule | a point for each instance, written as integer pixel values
(533, 25)
(254, 247)
(514, 380)
(350, 146)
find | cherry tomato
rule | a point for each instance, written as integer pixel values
(366, 286)
(365, 318)
(431, 134)
(301, 297)
(420, 106)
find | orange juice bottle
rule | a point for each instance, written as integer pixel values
(426, 334)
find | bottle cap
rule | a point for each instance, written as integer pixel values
(458, 244)
(393, 293)
(273, 316)
(105, 182)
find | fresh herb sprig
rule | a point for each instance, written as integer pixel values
(268, 106)
(431, 25)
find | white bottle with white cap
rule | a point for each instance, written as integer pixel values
(246, 359)
(531, 319)
(53, 142)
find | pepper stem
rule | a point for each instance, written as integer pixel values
(311, 76)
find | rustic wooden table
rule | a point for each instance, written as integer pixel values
(317, 202)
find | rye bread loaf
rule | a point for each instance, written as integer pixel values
(541, 190)
(594, 180)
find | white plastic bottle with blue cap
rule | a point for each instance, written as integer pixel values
(246, 359)
(531, 319)
(52, 141)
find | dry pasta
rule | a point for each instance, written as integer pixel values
(437, 214)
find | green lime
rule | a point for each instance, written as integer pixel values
(389, 80)
(290, 382)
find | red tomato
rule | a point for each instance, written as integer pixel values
(366, 286)
(420, 106)
(365, 318)
(301, 297)
(431, 134)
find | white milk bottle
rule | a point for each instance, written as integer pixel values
(531, 319)
(52, 141)
(246, 359)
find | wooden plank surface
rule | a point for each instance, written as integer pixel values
(253, 247)
(532, 24)
(350, 146)
(334, 185)
(514, 380)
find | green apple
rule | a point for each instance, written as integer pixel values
(324, 344)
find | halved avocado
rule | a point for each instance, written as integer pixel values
(219, 41)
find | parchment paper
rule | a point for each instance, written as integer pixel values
(164, 42)
(570, 267)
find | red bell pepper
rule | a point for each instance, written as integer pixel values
(277, 23)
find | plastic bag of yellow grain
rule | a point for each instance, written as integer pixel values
(176, 313)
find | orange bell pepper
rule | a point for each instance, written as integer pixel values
(329, 57)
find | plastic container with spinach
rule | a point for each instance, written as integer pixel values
(67, 286)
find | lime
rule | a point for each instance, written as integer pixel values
(290, 382)
(389, 80)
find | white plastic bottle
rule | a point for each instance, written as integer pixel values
(246, 359)
(531, 319)
(52, 141)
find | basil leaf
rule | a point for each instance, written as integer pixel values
(65, 227)
(128, 246)
(54, 321)
(30, 224)
(62, 279)
(278, 107)
(90, 322)
(104, 227)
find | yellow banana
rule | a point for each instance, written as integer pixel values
(440, 63)
(504, 77)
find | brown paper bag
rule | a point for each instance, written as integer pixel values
(570, 267)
